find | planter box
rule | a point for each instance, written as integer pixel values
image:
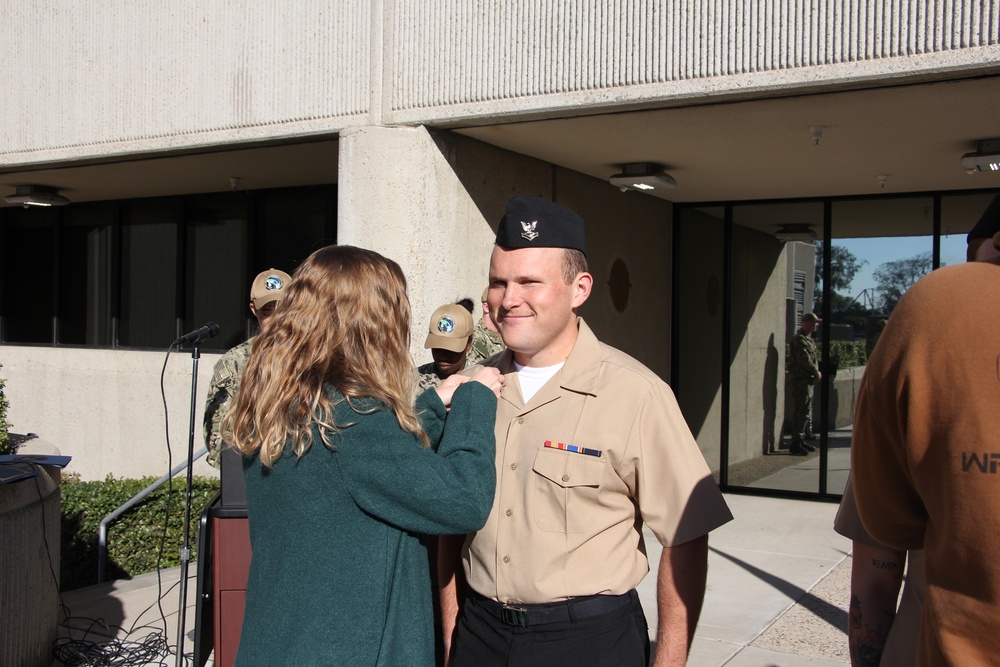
(29, 567)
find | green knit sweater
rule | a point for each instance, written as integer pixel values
(339, 574)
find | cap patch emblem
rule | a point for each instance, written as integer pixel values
(272, 283)
(529, 232)
(446, 325)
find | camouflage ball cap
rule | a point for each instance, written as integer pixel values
(450, 328)
(534, 222)
(268, 286)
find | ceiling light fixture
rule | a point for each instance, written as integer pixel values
(986, 157)
(795, 232)
(643, 177)
(36, 195)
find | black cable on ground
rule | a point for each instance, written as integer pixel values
(151, 649)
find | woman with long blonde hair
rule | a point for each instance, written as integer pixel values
(345, 474)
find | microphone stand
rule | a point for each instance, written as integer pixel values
(186, 548)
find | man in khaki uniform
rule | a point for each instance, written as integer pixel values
(267, 289)
(591, 445)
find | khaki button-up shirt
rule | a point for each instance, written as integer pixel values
(567, 523)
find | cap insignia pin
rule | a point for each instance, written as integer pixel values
(446, 325)
(529, 232)
(272, 283)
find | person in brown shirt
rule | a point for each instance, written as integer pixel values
(925, 454)
(878, 633)
(591, 446)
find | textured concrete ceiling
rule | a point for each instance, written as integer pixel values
(257, 168)
(763, 149)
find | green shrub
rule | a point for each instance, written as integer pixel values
(843, 354)
(848, 353)
(134, 538)
(5, 445)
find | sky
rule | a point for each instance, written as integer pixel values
(877, 251)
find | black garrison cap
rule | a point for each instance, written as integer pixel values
(533, 222)
(989, 224)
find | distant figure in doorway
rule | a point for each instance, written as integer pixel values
(804, 373)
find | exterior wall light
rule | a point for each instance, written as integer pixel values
(36, 195)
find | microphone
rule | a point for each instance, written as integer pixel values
(207, 331)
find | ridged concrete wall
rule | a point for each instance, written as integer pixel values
(521, 48)
(566, 53)
(84, 78)
(146, 73)
(29, 563)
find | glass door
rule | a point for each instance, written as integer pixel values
(773, 280)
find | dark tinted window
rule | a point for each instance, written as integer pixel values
(29, 269)
(138, 273)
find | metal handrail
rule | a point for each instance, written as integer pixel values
(102, 531)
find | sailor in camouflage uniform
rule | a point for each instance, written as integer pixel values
(449, 338)
(485, 340)
(803, 369)
(267, 289)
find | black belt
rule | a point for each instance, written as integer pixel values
(574, 609)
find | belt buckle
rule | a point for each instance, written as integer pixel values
(514, 616)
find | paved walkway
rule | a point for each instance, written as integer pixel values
(804, 476)
(778, 585)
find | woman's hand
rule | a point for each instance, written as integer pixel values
(447, 388)
(490, 377)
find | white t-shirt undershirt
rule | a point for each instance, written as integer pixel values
(533, 379)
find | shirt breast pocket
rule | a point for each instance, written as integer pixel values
(566, 489)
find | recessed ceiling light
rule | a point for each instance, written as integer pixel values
(643, 177)
(796, 232)
(986, 157)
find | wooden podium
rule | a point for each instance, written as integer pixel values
(223, 567)
(231, 566)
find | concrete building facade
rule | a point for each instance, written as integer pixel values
(194, 139)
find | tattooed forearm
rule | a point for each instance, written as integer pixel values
(866, 636)
(875, 579)
(884, 564)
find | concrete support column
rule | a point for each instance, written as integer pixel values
(400, 195)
